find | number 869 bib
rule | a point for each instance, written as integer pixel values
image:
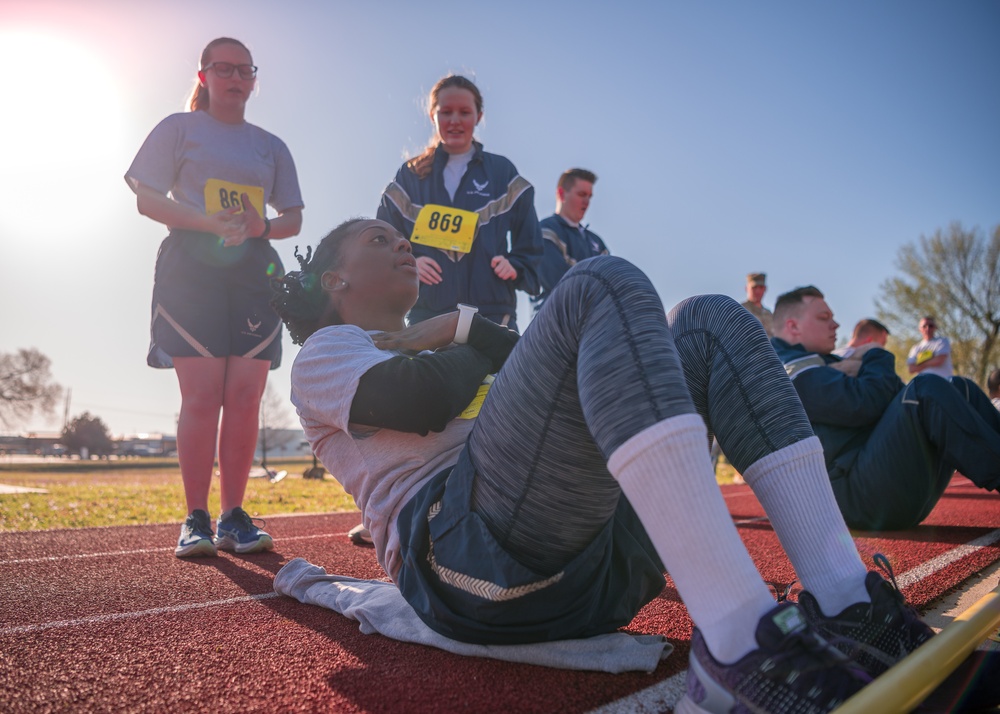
(445, 228)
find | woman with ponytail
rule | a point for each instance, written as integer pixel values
(207, 175)
(457, 204)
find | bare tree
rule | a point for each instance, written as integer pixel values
(953, 275)
(25, 385)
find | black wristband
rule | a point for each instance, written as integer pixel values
(267, 228)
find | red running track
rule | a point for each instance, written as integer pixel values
(107, 620)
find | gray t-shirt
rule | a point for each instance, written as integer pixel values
(192, 155)
(381, 468)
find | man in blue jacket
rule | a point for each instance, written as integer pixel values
(891, 448)
(565, 240)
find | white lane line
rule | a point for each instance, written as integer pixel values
(98, 619)
(945, 559)
(652, 700)
(80, 556)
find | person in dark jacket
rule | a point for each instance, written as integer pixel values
(565, 240)
(890, 448)
(457, 204)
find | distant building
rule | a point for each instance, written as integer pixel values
(35, 443)
(146, 445)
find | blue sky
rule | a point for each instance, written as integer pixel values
(806, 140)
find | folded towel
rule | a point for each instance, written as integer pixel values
(379, 607)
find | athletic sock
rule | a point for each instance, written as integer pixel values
(793, 486)
(666, 474)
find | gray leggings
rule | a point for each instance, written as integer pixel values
(597, 365)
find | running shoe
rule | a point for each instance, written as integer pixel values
(196, 536)
(877, 634)
(238, 533)
(794, 670)
(360, 535)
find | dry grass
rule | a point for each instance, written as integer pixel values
(114, 494)
(84, 494)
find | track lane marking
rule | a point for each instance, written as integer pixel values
(651, 700)
(142, 551)
(113, 617)
(939, 562)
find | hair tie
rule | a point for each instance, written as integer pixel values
(304, 262)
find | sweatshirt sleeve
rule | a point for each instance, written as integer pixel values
(422, 393)
(832, 397)
(526, 243)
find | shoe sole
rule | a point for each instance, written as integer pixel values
(359, 535)
(265, 542)
(716, 698)
(202, 549)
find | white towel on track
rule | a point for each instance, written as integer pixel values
(379, 607)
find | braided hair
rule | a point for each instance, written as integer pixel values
(298, 296)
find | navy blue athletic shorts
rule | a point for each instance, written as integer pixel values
(213, 301)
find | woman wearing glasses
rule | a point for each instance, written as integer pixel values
(207, 174)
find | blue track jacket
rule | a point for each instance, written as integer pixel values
(564, 246)
(843, 410)
(504, 201)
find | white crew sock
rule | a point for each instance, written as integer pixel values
(793, 486)
(666, 474)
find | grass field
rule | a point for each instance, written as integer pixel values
(143, 491)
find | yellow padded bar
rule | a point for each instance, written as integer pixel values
(911, 680)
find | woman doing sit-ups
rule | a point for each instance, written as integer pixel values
(550, 509)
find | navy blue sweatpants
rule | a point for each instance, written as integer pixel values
(931, 428)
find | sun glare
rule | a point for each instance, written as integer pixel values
(61, 120)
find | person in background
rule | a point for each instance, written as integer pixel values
(932, 355)
(993, 385)
(756, 287)
(566, 241)
(207, 175)
(545, 504)
(866, 331)
(458, 203)
(890, 448)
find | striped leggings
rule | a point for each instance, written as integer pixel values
(598, 364)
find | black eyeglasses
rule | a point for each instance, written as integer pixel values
(225, 70)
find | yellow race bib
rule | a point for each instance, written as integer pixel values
(472, 411)
(222, 195)
(445, 228)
